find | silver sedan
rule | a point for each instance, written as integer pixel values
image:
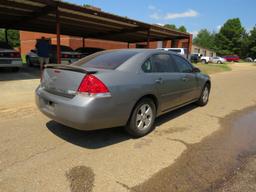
(128, 88)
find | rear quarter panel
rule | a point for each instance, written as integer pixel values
(126, 89)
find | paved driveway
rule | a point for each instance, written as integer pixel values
(37, 154)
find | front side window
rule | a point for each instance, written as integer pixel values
(182, 64)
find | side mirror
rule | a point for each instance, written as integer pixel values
(196, 70)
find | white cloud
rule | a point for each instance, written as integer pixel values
(194, 33)
(189, 13)
(157, 14)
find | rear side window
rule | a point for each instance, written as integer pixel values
(106, 60)
(160, 63)
(183, 65)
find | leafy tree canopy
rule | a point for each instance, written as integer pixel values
(13, 37)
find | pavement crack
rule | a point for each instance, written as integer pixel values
(32, 156)
(180, 141)
(125, 186)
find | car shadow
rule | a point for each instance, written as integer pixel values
(6, 74)
(106, 137)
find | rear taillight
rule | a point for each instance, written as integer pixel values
(78, 56)
(92, 85)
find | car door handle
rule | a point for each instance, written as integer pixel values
(159, 81)
(184, 78)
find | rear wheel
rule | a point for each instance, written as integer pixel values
(204, 98)
(203, 61)
(219, 62)
(142, 118)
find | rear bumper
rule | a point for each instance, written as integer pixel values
(10, 63)
(81, 112)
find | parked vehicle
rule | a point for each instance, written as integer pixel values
(9, 58)
(68, 56)
(218, 60)
(181, 51)
(128, 87)
(85, 51)
(195, 58)
(249, 59)
(232, 58)
(205, 59)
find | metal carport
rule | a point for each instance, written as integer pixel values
(52, 16)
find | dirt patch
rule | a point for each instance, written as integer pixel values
(81, 179)
(17, 112)
(205, 166)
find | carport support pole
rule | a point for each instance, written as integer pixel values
(58, 36)
(83, 43)
(148, 39)
(128, 45)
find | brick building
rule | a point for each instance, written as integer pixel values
(28, 41)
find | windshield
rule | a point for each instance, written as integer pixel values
(106, 60)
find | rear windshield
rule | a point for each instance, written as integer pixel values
(106, 60)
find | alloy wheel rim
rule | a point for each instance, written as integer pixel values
(205, 94)
(144, 117)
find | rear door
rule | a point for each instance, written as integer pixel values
(166, 78)
(188, 79)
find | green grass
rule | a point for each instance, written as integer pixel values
(213, 68)
(23, 58)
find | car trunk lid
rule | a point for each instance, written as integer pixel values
(63, 80)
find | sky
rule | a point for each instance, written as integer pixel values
(193, 14)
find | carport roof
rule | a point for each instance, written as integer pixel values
(40, 16)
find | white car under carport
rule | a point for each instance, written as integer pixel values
(9, 58)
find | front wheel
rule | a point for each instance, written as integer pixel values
(204, 98)
(204, 61)
(142, 118)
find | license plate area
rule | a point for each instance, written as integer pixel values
(49, 105)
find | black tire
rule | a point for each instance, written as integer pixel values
(204, 61)
(202, 100)
(218, 62)
(133, 123)
(29, 63)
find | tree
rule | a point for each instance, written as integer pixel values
(229, 39)
(252, 43)
(171, 26)
(205, 39)
(13, 37)
(182, 29)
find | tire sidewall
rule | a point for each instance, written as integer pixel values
(131, 126)
(201, 102)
